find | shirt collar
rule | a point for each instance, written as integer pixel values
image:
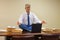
(26, 12)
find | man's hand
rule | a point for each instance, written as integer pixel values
(43, 22)
(18, 23)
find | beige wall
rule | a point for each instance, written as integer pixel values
(48, 10)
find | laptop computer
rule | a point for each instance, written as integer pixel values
(36, 28)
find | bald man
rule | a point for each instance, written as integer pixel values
(27, 19)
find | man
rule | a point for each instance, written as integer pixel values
(27, 19)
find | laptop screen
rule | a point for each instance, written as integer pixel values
(36, 28)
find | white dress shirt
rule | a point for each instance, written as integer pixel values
(33, 19)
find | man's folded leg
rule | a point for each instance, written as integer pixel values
(25, 27)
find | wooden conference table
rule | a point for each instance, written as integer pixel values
(20, 36)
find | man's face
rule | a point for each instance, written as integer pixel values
(27, 8)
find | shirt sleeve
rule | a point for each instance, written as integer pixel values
(35, 19)
(20, 19)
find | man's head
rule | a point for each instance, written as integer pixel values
(27, 8)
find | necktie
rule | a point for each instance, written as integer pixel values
(28, 21)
